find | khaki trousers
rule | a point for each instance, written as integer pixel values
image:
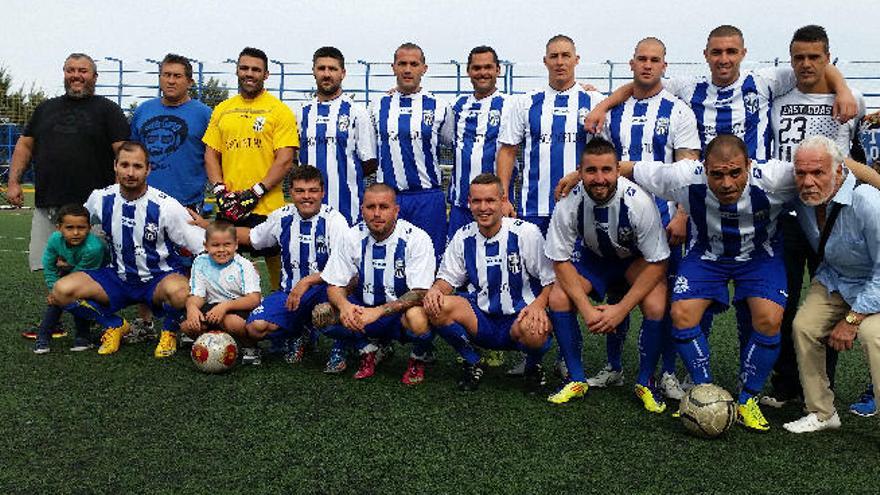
(813, 323)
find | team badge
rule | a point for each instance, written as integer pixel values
(399, 269)
(151, 232)
(513, 263)
(321, 244)
(259, 122)
(230, 278)
(624, 235)
(428, 117)
(681, 285)
(494, 118)
(662, 126)
(751, 102)
(343, 123)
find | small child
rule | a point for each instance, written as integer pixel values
(71, 248)
(224, 288)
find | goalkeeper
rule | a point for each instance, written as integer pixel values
(251, 140)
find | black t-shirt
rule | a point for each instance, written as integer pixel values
(72, 147)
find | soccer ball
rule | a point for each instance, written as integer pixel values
(214, 352)
(707, 410)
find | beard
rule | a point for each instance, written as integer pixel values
(87, 90)
(328, 92)
(248, 93)
(612, 189)
(835, 180)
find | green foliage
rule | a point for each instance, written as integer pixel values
(17, 106)
(213, 92)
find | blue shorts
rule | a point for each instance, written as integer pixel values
(602, 273)
(122, 293)
(459, 216)
(493, 331)
(272, 308)
(762, 277)
(427, 211)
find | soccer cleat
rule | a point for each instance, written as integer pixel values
(415, 372)
(518, 369)
(750, 415)
(470, 377)
(81, 344)
(571, 390)
(535, 376)
(41, 346)
(167, 345)
(493, 359)
(646, 395)
(336, 364)
(385, 353)
(296, 350)
(811, 423)
(367, 367)
(562, 369)
(112, 338)
(865, 407)
(687, 383)
(57, 333)
(141, 331)
(670, 387)
(774, 401)
(251, 356)
(607, 377)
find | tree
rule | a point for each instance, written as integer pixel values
(17, 106)
(213, 92)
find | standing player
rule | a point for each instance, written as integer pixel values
(408, 123)
(394, 263)
(171, 127)
(142, 227)
(336, 135)
(621, 238)
(501, 262)
(805, 111)
(251, 140)
(651, 124)
(307, 233)
(475, 125)
(547, 123)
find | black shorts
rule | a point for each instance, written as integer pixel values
(209, 306)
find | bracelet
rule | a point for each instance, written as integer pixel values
(259, 189)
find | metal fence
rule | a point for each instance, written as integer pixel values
(130, 82)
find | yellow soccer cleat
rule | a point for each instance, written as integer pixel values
(750, 415)
(112, 338)
(493, 359)
(167, 345)
(571, 390)
(647, 397)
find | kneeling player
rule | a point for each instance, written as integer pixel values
(224, 287)
(622, 238)
(501, 262)
(394, 263)
(142, 226)
(306, 232)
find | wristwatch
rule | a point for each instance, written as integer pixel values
(854, 319)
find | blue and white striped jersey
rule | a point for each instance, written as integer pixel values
(798, 115)
(386, 270)
(474, 128)
(506, 272)
(737, 232)
(408, 134)
(652, 129)
(626, 226)
(742, 108)
(337, 136)
(306, 244)
(143, 234)
(550, 124)
(219, 283)
(869, 138)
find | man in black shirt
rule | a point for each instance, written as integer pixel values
(72, 140)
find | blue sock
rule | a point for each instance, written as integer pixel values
(456, 336)
(760, 356)
(670, 353)
(570, 342)
(614, 345)
(92, 311)
(50, 320)
(422, 344)
(650, 344)
(171, 322)
(694, 349)
(744, 328)
(706, 322)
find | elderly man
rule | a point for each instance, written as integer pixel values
(841, 221)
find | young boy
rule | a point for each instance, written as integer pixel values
(71, 248)
(224, 288)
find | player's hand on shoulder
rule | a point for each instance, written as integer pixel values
(566, 184)
(507, 208)
(594, 121)
(845, 107)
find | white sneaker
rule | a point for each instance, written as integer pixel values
(519, 369)
(606, 378)
(670, 387)
(811, 423)
(687, 383)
